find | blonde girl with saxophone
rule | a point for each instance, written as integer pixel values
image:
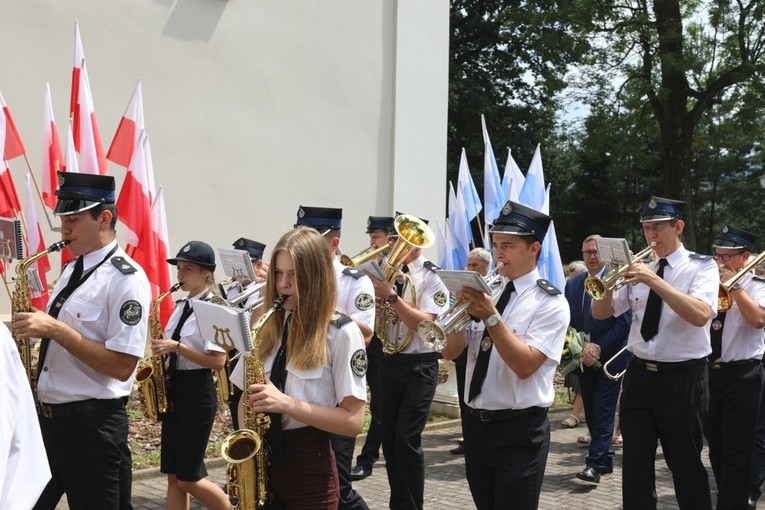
(189, 363)
(315, 365)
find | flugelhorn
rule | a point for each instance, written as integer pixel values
(724, 299)
(364, 256)
(597, 287)
(434, 334)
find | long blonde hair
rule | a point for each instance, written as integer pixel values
(314, 301)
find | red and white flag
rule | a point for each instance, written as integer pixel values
(130, 126)
(35, 244)
(162, 241)
(12, 146)
(52, 157)
(71, 166)
(9, 199)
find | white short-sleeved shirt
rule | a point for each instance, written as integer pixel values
(677, 339)
(536, 317)
(111, 307)
(190, 335)
(355, 294)
(236, 289)
(432, 297)
(24, 470)
(740, 340)
(326, 385)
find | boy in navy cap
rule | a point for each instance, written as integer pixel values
(93, 336)
(512, 358)
(665, 387)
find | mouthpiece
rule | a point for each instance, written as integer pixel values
(58, 246)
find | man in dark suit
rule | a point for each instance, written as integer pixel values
(606, 337)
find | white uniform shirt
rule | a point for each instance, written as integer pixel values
(190, 335)
(24, 470)
(740, 340)
(355, 296)
(540, 320)
(432, 297)
(110, 307)
(326, 385)
(677, 339)
(236, 289)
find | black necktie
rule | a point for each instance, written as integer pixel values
(279, 379)
(482, 361)
(173, 356)
(652, 312)
(716, 336)
(399, 283)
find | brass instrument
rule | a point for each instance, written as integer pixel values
(724, 299)
(614, 280)
(150, 374)
(364, 256)
(243, 449)
(413, 233)
(617, 375)
(434, 334)
(21, 302)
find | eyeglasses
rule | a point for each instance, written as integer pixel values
(658, 227)
(587, 253)
(726, 256)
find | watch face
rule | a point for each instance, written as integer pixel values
(392, 298)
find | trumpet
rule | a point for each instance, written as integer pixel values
(724, 299)
(364, 256)
(617, 375)
(597, 287)
(434, 334)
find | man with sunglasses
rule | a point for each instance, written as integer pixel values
(735, 372)
(665, 393)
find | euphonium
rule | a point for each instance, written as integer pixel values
(21, 302)
(413, 233)
(434, 334)
(597, 287)
(150, 374)
(724, 299)
(243, 449)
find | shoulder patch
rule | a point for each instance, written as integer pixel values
(430, 266)
(698, 256)
(365, 302)
(548, 287)
(352, 271)
(131, 312)
(758, 278)
(123, 265)
(359, 362)
(339, 320)
(440, 298)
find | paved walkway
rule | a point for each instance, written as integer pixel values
(445, 485)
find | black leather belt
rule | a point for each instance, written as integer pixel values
(668, 366)
(502, 414)
(413, 358)
(730, 364)
(55, 411)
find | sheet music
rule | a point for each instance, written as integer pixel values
(455, 280)
(613, 250)
(236, 263)
(372, 268)
(11, 244)
(225, 326)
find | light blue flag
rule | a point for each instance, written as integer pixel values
(494, 197)
(550, 264)
(466, 186)
(459, 228)
(513, 179)
(445, 247)
(533, 190)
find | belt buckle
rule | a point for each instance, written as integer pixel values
(484, 415)
(651, 367)
(716, 364)
(45, 411)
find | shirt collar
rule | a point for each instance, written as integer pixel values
(416, 264)
(677, 256)
(94, 257)
(524, 282)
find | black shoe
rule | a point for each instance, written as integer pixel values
(360, 472)
(589, 475)
(751, 504)
(608, 470)
(459, 450)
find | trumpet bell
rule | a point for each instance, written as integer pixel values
(597, 287)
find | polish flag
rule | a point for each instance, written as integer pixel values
(9, 199)
(12, 146)
(161, 242)
(70, 166)
(52, 157)
(36, 244)
(131, 124)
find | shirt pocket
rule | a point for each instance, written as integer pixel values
(81, 312)
(307, 385)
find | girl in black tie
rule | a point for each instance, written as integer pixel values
(315, 384)
(191, 388)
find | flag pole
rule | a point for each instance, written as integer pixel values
(39, 194)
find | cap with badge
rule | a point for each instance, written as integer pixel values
(661, 209)
(196, 252)
(732, 237)
(79, 192)
(379, 223)
(320, 218)
(521, 220)
(254, 248)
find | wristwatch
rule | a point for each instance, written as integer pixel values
(735, 286)
(392, 299)
(493, 320)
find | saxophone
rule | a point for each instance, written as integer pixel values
(21, 302)
(243, 449)
(150, 374)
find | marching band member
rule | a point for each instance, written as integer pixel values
(510, 368)
(664, 392)
(378, 228)
(93, 336)
(190, 387)
(407, 379)
(735, 372)
(355, 298)
(314, 361)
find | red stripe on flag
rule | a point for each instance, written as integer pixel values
(13, 146)
(123, 144)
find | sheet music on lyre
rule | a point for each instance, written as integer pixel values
(613, 250)
(236, 263)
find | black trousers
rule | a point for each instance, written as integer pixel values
(343, 447)
(407, 385)
(89, 459)
(505, 460)
(734, 397)
(370, 452)
(758, 456)
(600, 396)
(668, 406)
